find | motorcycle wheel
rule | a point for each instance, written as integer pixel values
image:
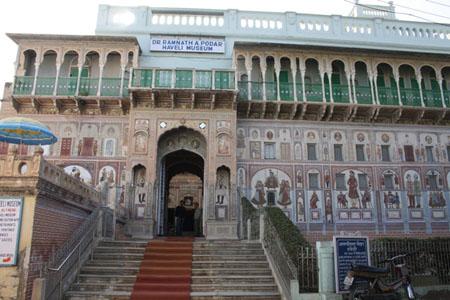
(357, 293)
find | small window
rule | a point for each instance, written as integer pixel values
(340, 182)
(360, 153)
(389, 181)
(429, 151)
(66, 146)
(338, 152)
(313, 179)
(409, 152)
(312, 152)
(269, 150)
(432, 179)
(448, 153)
(385, 156)
(362, 181)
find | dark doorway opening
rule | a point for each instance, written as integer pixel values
(183, 181)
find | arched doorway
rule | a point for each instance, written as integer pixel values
(181, 176)
(183, 181)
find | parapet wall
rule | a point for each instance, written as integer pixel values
(54, 205)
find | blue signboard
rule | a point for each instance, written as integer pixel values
(347, 251)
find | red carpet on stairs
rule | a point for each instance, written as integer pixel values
(165, 271)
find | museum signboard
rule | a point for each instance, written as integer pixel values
(169, 43)
(10, 222)
(349, 250)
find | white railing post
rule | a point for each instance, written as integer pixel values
(261, 226)
(249, 230)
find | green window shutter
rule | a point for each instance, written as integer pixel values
(222, 80)
(335, 78)
(380, 81)
(284, 77)
(393, 83)
(434, 85)
(415, 84)
(73, 72)
(401, 83)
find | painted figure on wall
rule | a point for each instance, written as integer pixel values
(240, 139)
(417, 190)
(259, 198)
(223, 144)
(410, 191)
(342, 200)
(353, 190)
(329, 210)
(271, 181)
(314, 200)
(255, 150)
(300, 208)
(366, 198)
(299, 179)
(222, 186)
(436, 199)
(285, 189)
(140, 144)
(391, 200)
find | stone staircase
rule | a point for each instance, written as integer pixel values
(225, 270)
(231, 270)
(112, 272)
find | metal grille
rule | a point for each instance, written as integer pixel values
(307, 270)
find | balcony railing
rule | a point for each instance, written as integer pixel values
(447, 98)
(410, 97)
(23, 85)
(340, 94)
(432, 98)
(314, 92)
(67, 86)
(182, 79)
(287, 91)
(363, 95)
(388, 96)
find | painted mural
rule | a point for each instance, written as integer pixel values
(271, 187)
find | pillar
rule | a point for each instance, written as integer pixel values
(419, 81)
(277, 74)
(440, 80)
(302, 67)
(248, 69)
(263, 67)
(294, 76)
(397, 82)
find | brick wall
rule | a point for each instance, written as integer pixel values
(54, 222)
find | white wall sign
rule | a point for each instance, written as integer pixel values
(167, 43)
(10, 221)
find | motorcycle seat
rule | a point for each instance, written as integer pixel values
(363, 268)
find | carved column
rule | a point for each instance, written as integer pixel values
(419, 81)
(329, 72)
(302, 67)
(263, 67)
(36, 72)
(322, 78)
(352, 88)
(294, 76)
(440, 81)
(123, 66)
(375, 86)
(81, 60)
(248, 68)
(59, 61)
(277, 63)
(101, 66)
(397, 82)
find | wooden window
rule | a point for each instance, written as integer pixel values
(3, 148)
(313, 181)
(312, 155)
(432, 180)
(88, 147)
(448, 153)
(362, 181)
(340, 182)
(66, 146)
(429, 151)
(385, 155)
(338, 152)
(360, 152)
(409, 152)
(269, 150)
(285, 151)
(389, 181)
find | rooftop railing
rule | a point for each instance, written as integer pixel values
(182, 79)
(322, 30)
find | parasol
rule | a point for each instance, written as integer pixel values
(18, 130)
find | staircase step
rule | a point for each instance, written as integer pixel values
(102, 286)
(106, 278)
(113, 263)
(218, 279)
(233, 271)
(84, 295)
(228, 264)
(235, 295)
(109, 270)
(129, 244)
(234, 287)
(234, 258)
(118, 256)
(102, 249)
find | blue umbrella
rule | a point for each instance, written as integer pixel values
(18, 130)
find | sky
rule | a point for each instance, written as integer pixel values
(79, 16)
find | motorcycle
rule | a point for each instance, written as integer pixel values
(365, 282)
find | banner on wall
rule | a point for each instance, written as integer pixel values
(167, 43)
(10, 222)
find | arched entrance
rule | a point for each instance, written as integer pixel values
(181, 177)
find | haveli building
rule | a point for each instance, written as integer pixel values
(342, 122)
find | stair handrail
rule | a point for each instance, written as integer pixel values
(66, 262)
(283, 266)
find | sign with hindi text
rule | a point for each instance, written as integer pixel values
(349, 250)
(167, 43)
(10, 221)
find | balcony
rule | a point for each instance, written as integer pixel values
(447, 98)
(432, 98)
(388, 96)
(45, 86)
(363, 95)
(182, 79)
(182, 88)
(410, 97)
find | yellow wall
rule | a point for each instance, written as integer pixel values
(10, 276)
